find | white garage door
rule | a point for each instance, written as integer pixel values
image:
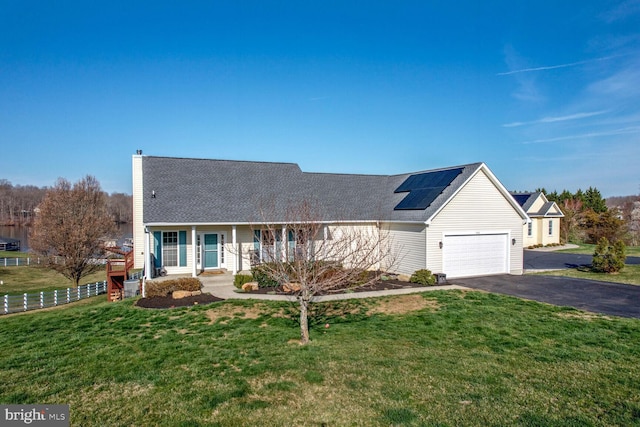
(475, 255)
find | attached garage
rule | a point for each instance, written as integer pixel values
(475, 254)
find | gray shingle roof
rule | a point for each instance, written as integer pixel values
(226, 191)
(526, 200)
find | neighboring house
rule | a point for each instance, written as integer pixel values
(544, 227)
(7, 244)
(192, 215)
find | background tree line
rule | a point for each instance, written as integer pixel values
(588, 217)
(19, 202)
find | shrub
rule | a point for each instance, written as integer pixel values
(241, 279)
(165, 287)
(261, 275)
(423, 277)
(609, 258)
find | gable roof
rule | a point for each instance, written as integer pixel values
(200, 191)
(527, 201)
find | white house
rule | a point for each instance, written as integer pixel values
(192, 215)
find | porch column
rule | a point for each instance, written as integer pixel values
(194, 249)
(325, 237)
(284, 243)
(235, 251)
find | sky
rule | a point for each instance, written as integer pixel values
(546, 93)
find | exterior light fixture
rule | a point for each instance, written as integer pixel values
(440, 244)
(153, 194)
(513, 242)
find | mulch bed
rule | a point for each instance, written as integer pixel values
(380, 285)
(169, 302)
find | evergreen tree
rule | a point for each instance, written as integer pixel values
(608, 258)
(593, 200)
(565, 195)
(553, 197)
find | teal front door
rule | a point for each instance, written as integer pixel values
(210, 254)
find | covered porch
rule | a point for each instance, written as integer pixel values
(173, 249)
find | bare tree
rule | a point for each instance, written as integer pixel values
(120, 207)
(313, 258)
(71, 226)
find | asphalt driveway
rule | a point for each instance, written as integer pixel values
(548, 260)
(598, 297)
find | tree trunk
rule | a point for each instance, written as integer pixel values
(304, 319)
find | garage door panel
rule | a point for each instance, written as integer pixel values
(475, 254)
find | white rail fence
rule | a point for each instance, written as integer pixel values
(20, 262)
(36, 301)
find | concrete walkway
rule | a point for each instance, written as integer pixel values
(221, 286)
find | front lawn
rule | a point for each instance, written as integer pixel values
(629, 275)
(588, 249)
(442, 358)
(18, 280)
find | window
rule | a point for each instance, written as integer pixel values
(550, 227)
(170, 248)
(265, 245)
(530, 229)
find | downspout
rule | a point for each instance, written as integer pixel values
(426, 244)
(147, 261)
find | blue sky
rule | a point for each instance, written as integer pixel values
(546, 93)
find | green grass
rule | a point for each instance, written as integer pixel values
(629, 275)
(588, 249)
(14, 254)
(18, 280)
(445, 358)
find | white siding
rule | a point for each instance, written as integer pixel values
(408, 242)
(358, 236)
(176, 270)
(138, 226)
(479, 207)
(245, 245)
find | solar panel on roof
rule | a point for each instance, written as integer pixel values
(521, 198)
(424, 188)
(429, 180)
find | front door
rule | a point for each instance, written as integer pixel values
(210, 251)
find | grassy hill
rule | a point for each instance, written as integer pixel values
(442, 358)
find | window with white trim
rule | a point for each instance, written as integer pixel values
(170, 248)
(550, 227)
(530, 229)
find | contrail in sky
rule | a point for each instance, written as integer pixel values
(553, 67)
